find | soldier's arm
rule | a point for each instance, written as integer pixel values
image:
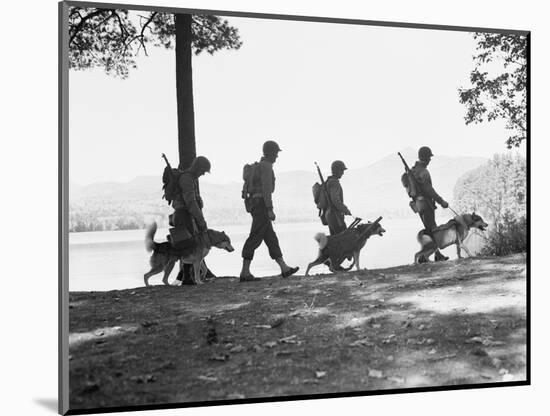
(333, 189)
(266, 179)
(190, 199)
(427, 188)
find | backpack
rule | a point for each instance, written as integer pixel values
(170, 181)
(249, 177)
(319, 196)
(409, 183)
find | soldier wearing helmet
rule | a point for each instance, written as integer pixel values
(425, 201)
(334, 215)
(262, 188)
(188, 206)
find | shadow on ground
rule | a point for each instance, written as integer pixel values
(460, 322)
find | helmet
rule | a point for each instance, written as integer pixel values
(270, 147)
(424, 153)
(201, 163)
(337, 165)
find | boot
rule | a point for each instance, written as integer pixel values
(286, 270)
(245, 275)
(440, 257)
(184, 275)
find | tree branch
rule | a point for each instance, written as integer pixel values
(82, 21)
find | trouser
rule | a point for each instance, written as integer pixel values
(261, 230)
(427, 215)
(335, 221)
(182, 218)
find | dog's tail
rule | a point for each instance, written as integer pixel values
(149, 237)
(423, 237)
(322, 239)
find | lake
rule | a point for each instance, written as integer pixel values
(109, 260)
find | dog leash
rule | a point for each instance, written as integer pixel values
(448, 206)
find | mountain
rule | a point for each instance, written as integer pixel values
(369, 191)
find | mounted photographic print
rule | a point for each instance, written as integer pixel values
(263, 207)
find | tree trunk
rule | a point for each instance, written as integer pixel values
(184, 91)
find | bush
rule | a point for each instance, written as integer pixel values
(508, 237)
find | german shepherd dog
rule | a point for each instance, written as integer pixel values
(350, 243)
(453, 232)
(164, 255)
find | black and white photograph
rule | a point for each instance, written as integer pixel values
(264, 207)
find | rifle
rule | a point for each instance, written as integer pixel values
(357, 237)
(167, 163)
(174, 180)
(366, 230)
(412, 181)
(325, 191)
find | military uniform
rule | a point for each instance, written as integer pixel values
(425, 202)
(263, 186)
(188, 213)
(188, 205)
(336, 210)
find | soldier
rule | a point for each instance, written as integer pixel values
(427, 197)
(188, 207)
(261, 209)
(336, 210)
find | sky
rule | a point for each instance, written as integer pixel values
(323, 91)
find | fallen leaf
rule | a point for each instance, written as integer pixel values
(396, 379)
(277, 322)
(289, 340)
(237, 349)
(361, 343)
(375, 373)
(207, 378)
(508, 377)
(262, 326)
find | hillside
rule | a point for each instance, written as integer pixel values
(436, 324)
(369, 191)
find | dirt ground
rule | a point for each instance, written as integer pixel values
(436, 324)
